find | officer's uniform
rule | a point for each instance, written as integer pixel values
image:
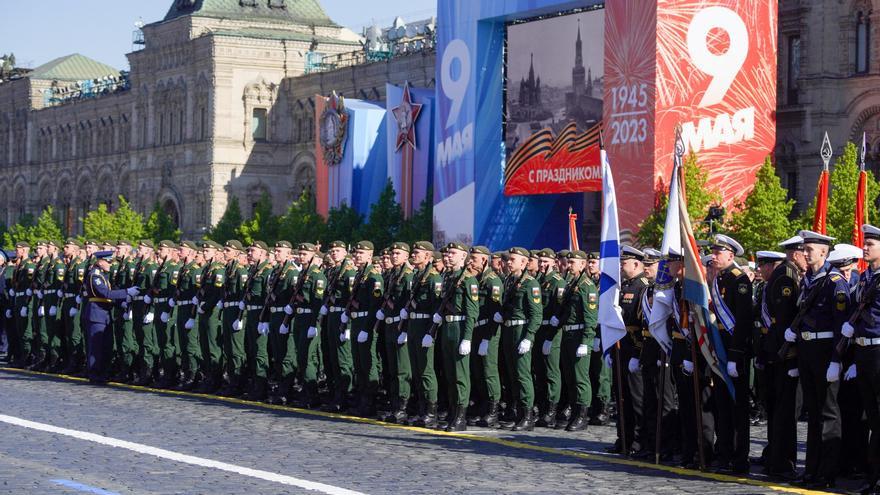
(397, 361)
(145, 330)
(188, 347)
(256, 340)
(545, 358)
(306, 326)
(866, 337)
(338, 359)
(22, 280)
(210, 305)
(100, 298)
(232, 330)
(365, 300)
(485, 379)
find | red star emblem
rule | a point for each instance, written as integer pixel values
(406, 114)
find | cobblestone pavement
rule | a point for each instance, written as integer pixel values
(357, 455)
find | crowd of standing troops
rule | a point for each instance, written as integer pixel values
(466, 337)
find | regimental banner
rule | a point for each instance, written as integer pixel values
(410, 143)
(547, 164)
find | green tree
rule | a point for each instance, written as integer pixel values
(21, 231)
(129, 223)
(100, 224)
(420, 226)
(262, 226)
(842, 195)
(160, 226)
(45, 228)
(699, 198)
(762, 219)
(229, 223)
(386, 218)
(302, 223)
(344, 224)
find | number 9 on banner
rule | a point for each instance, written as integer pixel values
(722, 67)
(455, 88)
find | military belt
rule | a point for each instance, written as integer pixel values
(419, 316)
(183, 303)
(817, 335)
(276, 309)
(633, 328)
(866, 342)
(253, 307)
(303, 311)
(230, 304)
(764, 330)
(22, 293)
(160, 299)
(336, 309)
(545, 322)
(360, 314)
(480, 323)
(137, 298)
(452, 318)
(647, 333)
(678, 335)
(68, 294)
(578, 326)
(390, 319)
(513, 323)
(99, 300)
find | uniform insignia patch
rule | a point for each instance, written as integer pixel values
(628, 297)
(319, 284)
(592, 297)
(536, 292)
(786, 291)
(496, 293)
(591, 306)
(560, 292)
(743, 289)
(351, 281)
(438, 287)
(475, 292)
(841, 301)
(98, 281)
(736, 272)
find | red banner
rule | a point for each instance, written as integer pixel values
(821, 213)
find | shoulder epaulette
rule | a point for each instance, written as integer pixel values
(835, 277)
(736, 272)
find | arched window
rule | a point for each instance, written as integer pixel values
(863, 41)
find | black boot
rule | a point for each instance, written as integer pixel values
(143, 377)
(548, 420)
(490, 420)
(429, 420)
(54, 365)
(526, 422)
(258, 390)
(398, 412)
(457, 421)
(187, 383)
(230, 388)
(579, 420)
(38, 363)
(600, 414)
(473, 417)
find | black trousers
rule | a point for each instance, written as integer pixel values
(732, 420)
(820, 399)
(781, 398)
(651, 378)
(868, 368)
(633, 391)
(687, 412)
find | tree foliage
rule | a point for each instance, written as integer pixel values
(160, 226)
(228, 224)
(301, 222)
(385, 220)
(262, 226)
(842, 195)
(762, 219)
(44, 228)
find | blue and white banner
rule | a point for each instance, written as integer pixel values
(610, 312)
(359, 178)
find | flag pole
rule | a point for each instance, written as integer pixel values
(621, 414)
(664, 364)
(698, 399)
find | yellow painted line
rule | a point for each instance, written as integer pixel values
(620, 461)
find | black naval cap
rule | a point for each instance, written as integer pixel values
(104, 255)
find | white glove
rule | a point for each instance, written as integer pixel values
(283, 329)
(437, 318)
(345, 336)
(324, 311)
(833, 373)
(127, 315)
(633, 365)
(497, 318)
(483, 350)
(148, 318)
(545, 349)
(263, 328)
(171, 302)
(241, 305)
(380, 315)
(847, 330)
(363, 336)
(73, 312)
(59, 293)
(464, 348)
(132, 291)
(11, 292)
(608, 361)
(688, 366)
(427, 341)
(236, 325)
(39, 293)
(41, 311)
(731, 369)
(404, 314)
(789, 335)
(554, 321)
(148, 299)
(288, 309)
(582, 351)
(343, 318)
(200, 310)
(9, 313)
(79, 300)
(125, 304)
(24, 311)
(401, 339)
(53, 310)
(597, 344)
(195, 300)
(164, 317)
(190, 323)
(794, 373)
(311, 333)
(29, 292)
(850, 373)
(525, 345)
(219, 304)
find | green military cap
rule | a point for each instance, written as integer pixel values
(188, 244)
(365, 245)
(284, 244)
(563, 253)
(42, 242)
(480, 250)
(147, 243)
(71, 241)
(123, 242)
(167, 244)
(259, 244)
(234, 244)
(22, 244)
(400, 245)
(91, 242)
(337, 244)
(438, 256)
(55, 243)
(457, 245)
(593, 255)
(211, 245)
(534, 253)
(505, 256)
(423, 246)
(376, 260)
(519, 250)
(307, 246)
(498, 254)
(547, 253)
(385, 252)
(577, 254)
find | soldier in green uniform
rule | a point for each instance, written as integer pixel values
(282, 283)
(546, 364)
(302, 315)
(159, 312)
(22, 279)
(188, 347)
(455, 319)
(366, 296)
(256, 332)
(232, 337)
(74, 274)
(39, 338)
(486, 386)
(600, 373)
(144, 333)
(122, 274)
(398, 287)
(415, 321)
(520, 316)
(577, 315)
(208, 303)
(52, 301)
(338, 360)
